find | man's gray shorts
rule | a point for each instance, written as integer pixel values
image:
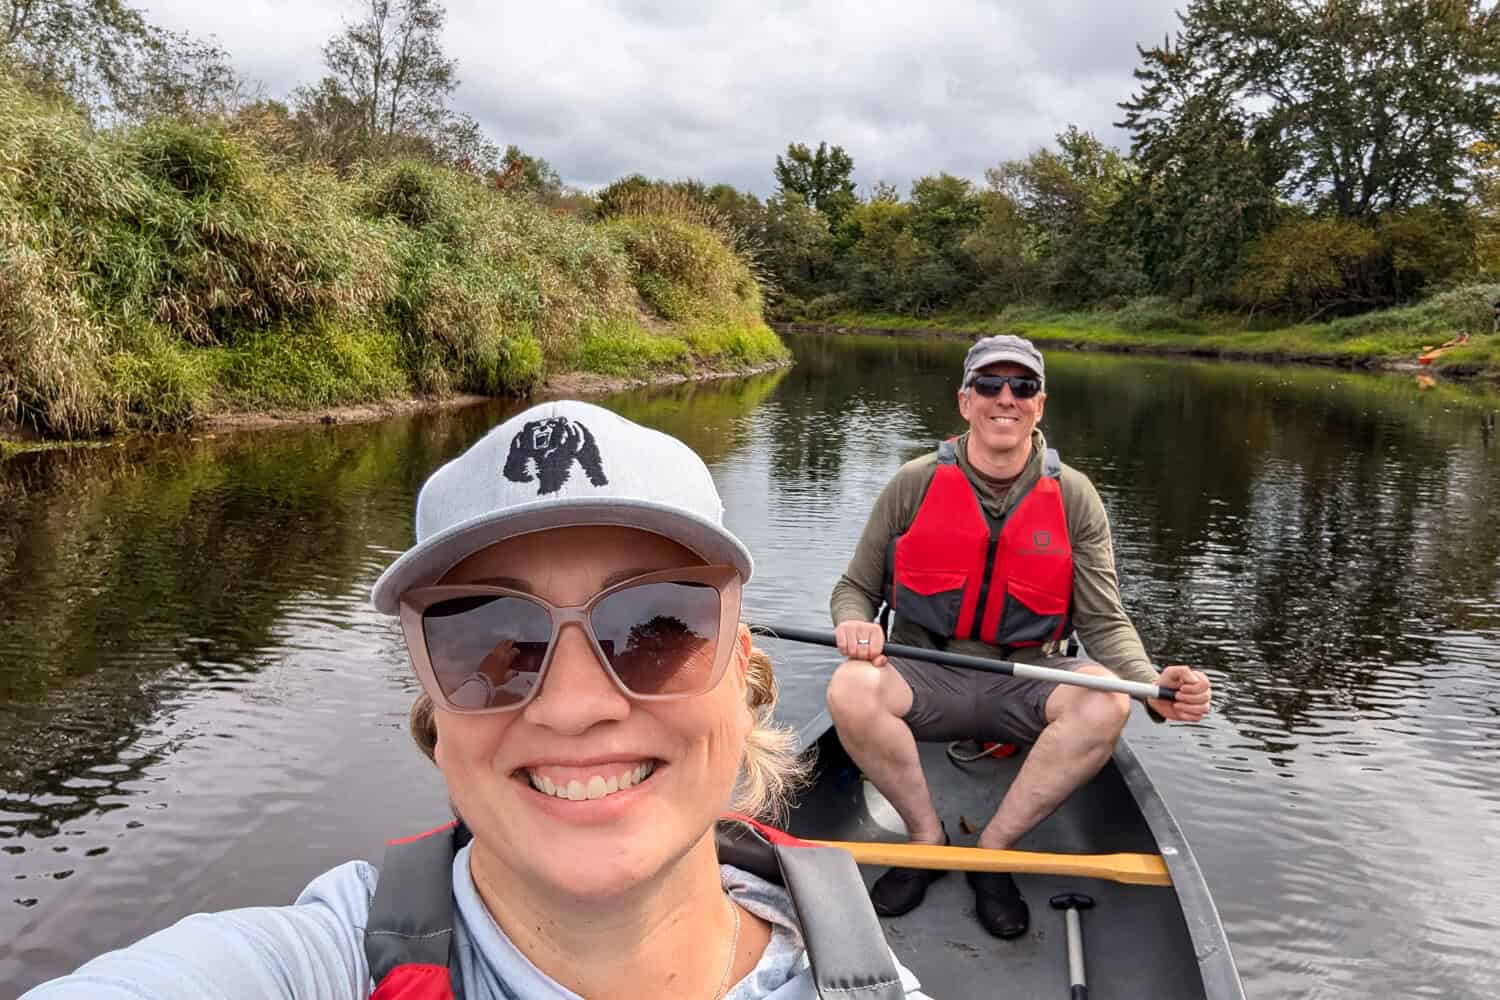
(950, 703)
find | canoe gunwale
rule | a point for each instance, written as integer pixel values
(1221, 979)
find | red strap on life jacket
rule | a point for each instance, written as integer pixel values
(775, 836)
(415, 982)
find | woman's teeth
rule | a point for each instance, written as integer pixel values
(596, 787)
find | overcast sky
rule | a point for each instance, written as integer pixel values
(714, 90)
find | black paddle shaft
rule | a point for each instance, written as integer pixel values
(819, 637)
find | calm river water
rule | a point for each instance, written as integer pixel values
(201, 711)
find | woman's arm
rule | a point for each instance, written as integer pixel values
(311, 949)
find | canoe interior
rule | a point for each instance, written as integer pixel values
(1136, 942)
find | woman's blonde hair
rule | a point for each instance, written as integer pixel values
(771, 771)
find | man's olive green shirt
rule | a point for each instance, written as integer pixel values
(1098, 617)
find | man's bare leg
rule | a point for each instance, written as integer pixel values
(1082, 727)
(869, 705)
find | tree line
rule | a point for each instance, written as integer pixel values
(1303, 158)
(1296, 158)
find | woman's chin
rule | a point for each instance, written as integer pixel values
(594, 848)
(592, 878)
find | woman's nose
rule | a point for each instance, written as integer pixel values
(577, 693)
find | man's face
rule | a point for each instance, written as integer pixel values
(1001, 423)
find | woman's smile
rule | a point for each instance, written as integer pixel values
(577, 784)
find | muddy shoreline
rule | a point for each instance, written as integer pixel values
(16, 438)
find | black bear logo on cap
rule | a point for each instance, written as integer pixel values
(553, 444)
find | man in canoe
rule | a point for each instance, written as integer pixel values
(989, 546)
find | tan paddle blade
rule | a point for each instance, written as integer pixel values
(1132, 869)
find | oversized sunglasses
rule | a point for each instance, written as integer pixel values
(1021, 386)
(480, 649)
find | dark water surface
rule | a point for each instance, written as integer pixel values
(201, 711)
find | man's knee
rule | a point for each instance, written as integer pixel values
(1102, 713)
(854, 692)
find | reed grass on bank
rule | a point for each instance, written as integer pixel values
(153, 276)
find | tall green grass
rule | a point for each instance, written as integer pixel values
(154, 276)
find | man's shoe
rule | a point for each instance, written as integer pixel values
(901, 890)
(1001, 908)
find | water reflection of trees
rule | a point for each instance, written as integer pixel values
(1312, 535)
(1345, 524)
(852, 395)
(708, 417)
(134, 571)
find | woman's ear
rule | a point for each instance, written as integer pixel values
(742, 646)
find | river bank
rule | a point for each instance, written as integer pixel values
(15, 439)
(174, 275)
(563, 385)
(1389, 340)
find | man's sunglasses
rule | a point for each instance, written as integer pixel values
(480, 649)
(1021, 386)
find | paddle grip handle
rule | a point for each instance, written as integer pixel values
(1136, 689)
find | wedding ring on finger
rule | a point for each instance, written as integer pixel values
(861, 642)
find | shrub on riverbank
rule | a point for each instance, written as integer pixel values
(153, 276)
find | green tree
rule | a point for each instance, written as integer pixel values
(108, 57)
(1427, 245)
(799, 245)
(1006, 261)
(945, 210)
(391, 63)
(1312, 265)
(888, 267)
(1366, 106)
(1070, 200)
(1204, 188)
(822, 177)
(1486, 193)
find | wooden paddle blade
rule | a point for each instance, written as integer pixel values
(1131, 869)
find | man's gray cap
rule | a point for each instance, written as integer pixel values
(562, 464)
(1004, 347)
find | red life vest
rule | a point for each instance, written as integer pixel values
(409, 933)
(960, 575)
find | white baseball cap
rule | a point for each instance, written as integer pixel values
(562, 464)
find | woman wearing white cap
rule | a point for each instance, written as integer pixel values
(594, 705)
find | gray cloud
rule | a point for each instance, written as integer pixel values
(673, 88)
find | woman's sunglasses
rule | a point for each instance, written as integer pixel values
(1021, 386)
(480, 649)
